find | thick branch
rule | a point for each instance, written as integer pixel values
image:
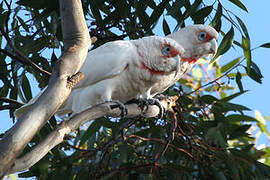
(57, 136)
(76, 43)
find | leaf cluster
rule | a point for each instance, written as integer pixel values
(206, 136)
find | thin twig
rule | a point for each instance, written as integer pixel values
(20, 57)
(11, 106)
(215, 80)
(160, 141)
(7, 100)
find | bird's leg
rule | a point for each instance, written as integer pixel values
(119, 105)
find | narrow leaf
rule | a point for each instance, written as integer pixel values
(239, 82)
(254, 75)
(228, 98)
(208, 99)
(232, 75)
(240, 118)
(256, 68)
(228, 66)
(216, 22)
(265, 45)
(26, 88)
(166, 28)
(225, 44)
(239, 4)
(199, 16)
(243, 26)
(247, 51)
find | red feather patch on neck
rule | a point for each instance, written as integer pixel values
(152, 71)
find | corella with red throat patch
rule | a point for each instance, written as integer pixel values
(137, 69)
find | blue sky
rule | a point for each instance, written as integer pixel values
(258, 24)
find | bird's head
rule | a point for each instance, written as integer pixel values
(197, 40)
(159, 55)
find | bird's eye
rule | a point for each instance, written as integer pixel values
(166, 51)
(202, 36)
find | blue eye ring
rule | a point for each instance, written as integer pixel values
(202, 36)
(166, 51)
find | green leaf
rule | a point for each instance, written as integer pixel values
(157, 12)
(237, 44)
(247, 51)
(265, 45)
(239, 82)
(32, 3)
(233, 107)
(95, 126)
(233, 75)
(208, 99)
(240, 118)
(225, 44)
(166, 28)
(214, 135)
(243, 26)
(239, 4)
(199, 15)
(228, 98)
(26, 88)
(216, 22)
(240, 131)
(228, 66)
(175, 11)
(254, 75)
(256, 68)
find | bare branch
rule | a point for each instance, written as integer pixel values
(11, 106)
(57, 136)
(7, 100)
(76, 43)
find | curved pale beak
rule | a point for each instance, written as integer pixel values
(213, 47)
(177, 58)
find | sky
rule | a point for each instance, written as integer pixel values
(258, 25)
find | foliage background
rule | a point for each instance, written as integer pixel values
(214, 134)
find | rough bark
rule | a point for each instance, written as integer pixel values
(76, 43)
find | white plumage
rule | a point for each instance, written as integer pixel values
(124, 70)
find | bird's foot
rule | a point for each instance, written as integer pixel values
(156, 102)
(144, 104)
(121, 106)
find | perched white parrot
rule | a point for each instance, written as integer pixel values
(124, 70)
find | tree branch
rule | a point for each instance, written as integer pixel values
(76, 43)
(20, 57)
(57, 136)
(7, 100)
(218, 78)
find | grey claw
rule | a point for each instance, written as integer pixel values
(121, 106)
(157, 103)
